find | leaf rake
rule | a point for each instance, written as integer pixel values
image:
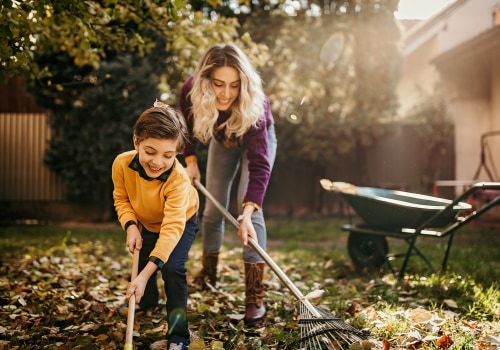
(318, 328)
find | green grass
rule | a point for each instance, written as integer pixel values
(36, 240)
(66, 267)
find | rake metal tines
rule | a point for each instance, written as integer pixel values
(329, 333)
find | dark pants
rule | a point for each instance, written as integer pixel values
(174, 278)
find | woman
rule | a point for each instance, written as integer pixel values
(225, 106)
(157, 207)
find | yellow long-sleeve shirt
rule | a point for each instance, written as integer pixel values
(160, 206)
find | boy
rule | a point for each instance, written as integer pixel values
(157, 207)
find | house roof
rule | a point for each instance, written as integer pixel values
(468, 67)
(409, 23)
(477, 46)
(423, 31)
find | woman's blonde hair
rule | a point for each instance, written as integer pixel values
(246, 109)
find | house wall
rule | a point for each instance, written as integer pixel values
(471, 118)
(473, 88)
(30, 192)
(470, 79)
(419, 78)
(462, 23)
(468, 87)
(495, 109)
(495, 89)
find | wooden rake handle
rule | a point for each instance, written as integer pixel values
(131, 305)
(253, 243)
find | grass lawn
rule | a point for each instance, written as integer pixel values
(60, 287)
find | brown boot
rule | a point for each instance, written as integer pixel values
(208, 273)
(255, 309)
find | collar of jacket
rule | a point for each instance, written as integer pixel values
(136, 166)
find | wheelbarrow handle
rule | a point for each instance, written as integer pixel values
(253, 243)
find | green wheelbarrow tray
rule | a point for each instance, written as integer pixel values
(389, 209)
(403, 215)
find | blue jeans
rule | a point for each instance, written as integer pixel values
(222, 167)
(174, 278)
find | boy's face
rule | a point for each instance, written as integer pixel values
(156, 155)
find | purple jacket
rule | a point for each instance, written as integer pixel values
(254, 140)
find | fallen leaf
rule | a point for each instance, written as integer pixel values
(420, 315)
(412, 338)
(159, 345)
(197, 344)
(444, 342)
(450, 303)
(216, 345)
(315, 294)
(236, 317)
(491, 339)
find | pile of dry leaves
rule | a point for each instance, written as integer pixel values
(68, 298)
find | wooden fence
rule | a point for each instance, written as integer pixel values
(29, 190)
(24, 177)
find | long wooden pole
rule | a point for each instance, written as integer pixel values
(131, 306)
(255, 245)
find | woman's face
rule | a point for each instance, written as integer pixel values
(226, 84)
(156, 155)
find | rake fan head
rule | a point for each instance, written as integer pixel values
(330, 333)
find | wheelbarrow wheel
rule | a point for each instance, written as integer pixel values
(367, 251)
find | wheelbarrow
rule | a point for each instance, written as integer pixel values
(403, 215)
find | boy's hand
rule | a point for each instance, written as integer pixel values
(136, 287)
(134, 238)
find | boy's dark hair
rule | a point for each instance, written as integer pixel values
(161, 122)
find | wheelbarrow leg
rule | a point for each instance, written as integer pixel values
(422, 256)
(448, 248)
(389, 264)
(411, 243)
(412, 247)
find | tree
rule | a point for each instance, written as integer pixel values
(86, 31)
(83, 58)
(92, 123)
(89, 31)
(332, 79)
(96, 88)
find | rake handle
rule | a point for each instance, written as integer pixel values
(253, 243)
(131, 305)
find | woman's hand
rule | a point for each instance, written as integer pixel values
(192, 168)
(246, 226)
(246, 229)
(193, 171)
